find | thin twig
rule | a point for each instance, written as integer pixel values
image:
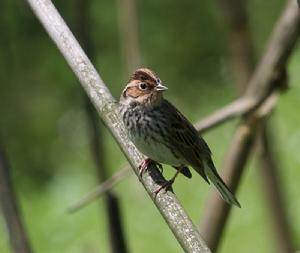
(167, 203)
(101, 189)
(240, 42)
(17, 234)
(234, 109)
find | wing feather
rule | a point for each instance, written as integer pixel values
(184, 139)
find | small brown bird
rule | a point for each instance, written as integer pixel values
(163, 134)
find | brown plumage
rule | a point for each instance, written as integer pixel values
(163, 134)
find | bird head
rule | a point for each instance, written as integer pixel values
(143, 88)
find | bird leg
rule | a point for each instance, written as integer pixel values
(145, 164)
(167, 184)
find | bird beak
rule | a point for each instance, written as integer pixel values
(160, 87)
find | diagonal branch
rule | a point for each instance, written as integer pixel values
(233, 110)
(281, 43)
(168, 205)
(102, 188)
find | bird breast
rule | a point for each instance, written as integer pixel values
(147, 130)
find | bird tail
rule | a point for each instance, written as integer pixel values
(213, 176)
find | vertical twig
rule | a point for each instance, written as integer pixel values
(113, 212)
(273, 191)
(17, 234)
(240, 42)
(128, 27)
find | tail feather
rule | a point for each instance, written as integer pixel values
(213, 176)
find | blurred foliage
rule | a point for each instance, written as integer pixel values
(43, 128)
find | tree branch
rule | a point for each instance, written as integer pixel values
(168, 205)
(269, 75)
(281, 43)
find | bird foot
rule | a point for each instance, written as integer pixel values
(145, 164)
(166, 186)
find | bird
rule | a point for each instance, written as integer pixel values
(163, 134)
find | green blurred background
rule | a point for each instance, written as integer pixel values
(44, 131)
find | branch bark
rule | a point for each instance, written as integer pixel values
(168, 205)
(8, 201)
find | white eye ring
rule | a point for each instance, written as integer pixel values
(143, 86)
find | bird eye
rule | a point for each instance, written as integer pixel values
(143, 86)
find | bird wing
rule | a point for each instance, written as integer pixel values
(184, 139)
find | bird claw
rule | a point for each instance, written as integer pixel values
(145, 164)
(166, 186)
